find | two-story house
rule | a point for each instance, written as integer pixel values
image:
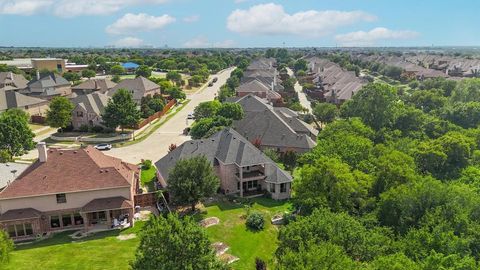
(242, 168)
(139, 87)
(68, 189)
(48, 86)
(88, 110)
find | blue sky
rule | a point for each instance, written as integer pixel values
(238, 23)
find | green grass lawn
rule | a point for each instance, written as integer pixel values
(100, 251)
(147, 177)
(34, 127)
(244, 243)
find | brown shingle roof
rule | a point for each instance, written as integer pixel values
(107, 204)
(71, 171)
(24, 213)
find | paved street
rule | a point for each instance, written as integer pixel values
(156, 145)
(301, 95)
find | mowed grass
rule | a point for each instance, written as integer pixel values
(243, 242)
(100, 251)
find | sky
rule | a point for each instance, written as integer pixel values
(238, 23)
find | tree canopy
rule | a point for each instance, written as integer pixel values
(121, 110)
(16, 137)
(59, 113)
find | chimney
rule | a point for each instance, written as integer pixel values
(42, 152)
(38, 75)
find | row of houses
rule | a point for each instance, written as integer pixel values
(331, 82)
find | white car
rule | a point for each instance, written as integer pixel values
(191, 116)
(103, 146)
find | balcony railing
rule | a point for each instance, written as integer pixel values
(251, 174)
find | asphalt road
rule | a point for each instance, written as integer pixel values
(301, 95)
(156, 145)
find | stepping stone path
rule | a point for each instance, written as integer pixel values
(124, 237)
(209, 222)
(220, 248)
(228, 258)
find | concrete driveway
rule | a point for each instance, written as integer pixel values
(156, 145)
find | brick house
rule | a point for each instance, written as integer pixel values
(68, 189)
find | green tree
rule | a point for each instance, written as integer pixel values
(175, 92)
(192, 179)
(330, 183)
(231, 110)
(16, 137)
(396, 261)
(466, 91)
(300, 64)
(173, 243)
(207, 109)
(121, 110)
(175, 77)
(71, 76)
(117, 70)
(325, 112)
(206, 127)
(6, 246)
(374, 104)
(88, 73)
(143, 71)
(59, 112)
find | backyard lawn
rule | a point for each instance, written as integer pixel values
(100, 251)
(244, 243)
(147, 177)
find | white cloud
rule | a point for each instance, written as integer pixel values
(23, 7)
(130, 23)
(203, 42)
(129, 42)
(271, 19)
(191, 19)
(362, 38)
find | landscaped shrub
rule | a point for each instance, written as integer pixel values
(255, 221)
(97, 129)
(83, 128)
(147, 164)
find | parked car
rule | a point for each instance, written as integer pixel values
(103, 146)
(210, 84)
(191, 116)
(215, 79)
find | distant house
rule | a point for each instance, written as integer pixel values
(139, 87)
(88, 110)
(12, 99)
(12, 81)
(242, 168)
(93, 85)
(69, 189)
(274, 127)
(130, 67)
(48, 87)
(259, 89)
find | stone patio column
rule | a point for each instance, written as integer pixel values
(109, 219)
(241, 182)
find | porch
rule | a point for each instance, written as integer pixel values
(107, 213)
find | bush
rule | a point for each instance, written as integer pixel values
(83, 128)
(255, 221)
(147, 164)
(97, 129)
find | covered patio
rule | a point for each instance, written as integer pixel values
(107, 213)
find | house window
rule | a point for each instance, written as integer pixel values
(11, 231)
(79, 114)
(28, 229)
(272, 188)
(283, 187)
(77, 219)
(67, 220)
(238, 185)
(20, 229)
(101, 215)
(54, 221)
(61, 198)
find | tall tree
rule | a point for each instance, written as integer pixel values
(16, 137)
(192, 179)
(117, 70)
(207, 109)
(171, 243)
(143, 71)
(88, 73)
(231, 110)
(325, 112)
(59, 113)
(6, 246)
(121, 110)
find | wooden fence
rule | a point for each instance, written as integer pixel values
(156, 115)
(37, 119)
(145, 199)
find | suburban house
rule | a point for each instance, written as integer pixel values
(88, 110)
(139, 87)
(48, 87)
(259, 89)
(242, 168)
(12, 81)
(93, 85)
(12, 99)
(277, 128)
(68, 189)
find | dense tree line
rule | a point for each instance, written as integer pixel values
(392, 184)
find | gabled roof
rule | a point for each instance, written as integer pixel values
(92, 103)
(12, 81)
(253, 86)
(102, 85)
(139, 86)
(275, 128)
(11, 99)
(19, 214)
(67, 171)
(227, 146)
(49, 80)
